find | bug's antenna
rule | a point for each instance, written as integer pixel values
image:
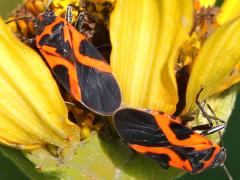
(19, 18)
(47, 4)
(70, 103)
(227, 172)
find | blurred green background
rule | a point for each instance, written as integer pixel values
(8, 170)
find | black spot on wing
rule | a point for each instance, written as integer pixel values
(209, 154)
(219, 158)
(43, 39)
(162, 159)
(138, 127)
(195, 158)
(61, 73)
(181, 132)
(197, 167)
(88, 49)
(56, 40)
(100, 91)
(57, 27)
(182, 151)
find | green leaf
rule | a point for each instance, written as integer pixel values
(96, 158)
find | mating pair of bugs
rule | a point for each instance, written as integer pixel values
(82, 71)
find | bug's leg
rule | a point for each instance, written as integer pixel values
(185, 118)
(68, 15)
(30, 18)
(205, 114)
(47, 5)
(214, 117)
(208, 128)
(30, 41)
(80, 21)
(213, 130)
(82, 18)
(203, 127)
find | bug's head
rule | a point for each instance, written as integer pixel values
(219, 158)
(42, 20)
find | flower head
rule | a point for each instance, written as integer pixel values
(163, 52)
(162, 39)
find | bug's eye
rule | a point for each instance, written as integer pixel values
(50, 13)
(35, 26)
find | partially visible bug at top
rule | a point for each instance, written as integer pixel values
(166, 139)
(76, 63)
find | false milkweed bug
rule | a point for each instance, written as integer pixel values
(166, 139)
(76, 63)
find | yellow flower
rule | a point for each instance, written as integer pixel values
(152, 41)
(152, 34)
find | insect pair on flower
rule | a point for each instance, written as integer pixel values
(83, 72)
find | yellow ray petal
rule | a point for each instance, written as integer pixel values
(229, 10)
(217, 58)
(145, 38)
(231, 79)
(206, 3)
(32, 112)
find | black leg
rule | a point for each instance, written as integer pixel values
(208, 128)
(68, 15)
(82, 18)
(30, 41)
(214, 129)
(205, 114)
(80, 21)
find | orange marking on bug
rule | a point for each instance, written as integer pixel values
(97, 64)
(54, 61)
(163, 121)
(59, 42)
(216, 151)
(175, 160)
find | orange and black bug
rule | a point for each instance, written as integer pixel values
(165, 139)
(76, 63)
(168, 141)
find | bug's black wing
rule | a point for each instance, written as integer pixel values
(139, 127)
(100, 91)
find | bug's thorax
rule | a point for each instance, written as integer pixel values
(43, 20)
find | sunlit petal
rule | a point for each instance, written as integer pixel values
(229, 10)
(206, 3)
(217, 58)
(145, 38)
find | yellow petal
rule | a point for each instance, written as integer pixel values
(32, 112)
(229, 10)
(145, 38)
(231, 79)
(217, 58)
(206, 3)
